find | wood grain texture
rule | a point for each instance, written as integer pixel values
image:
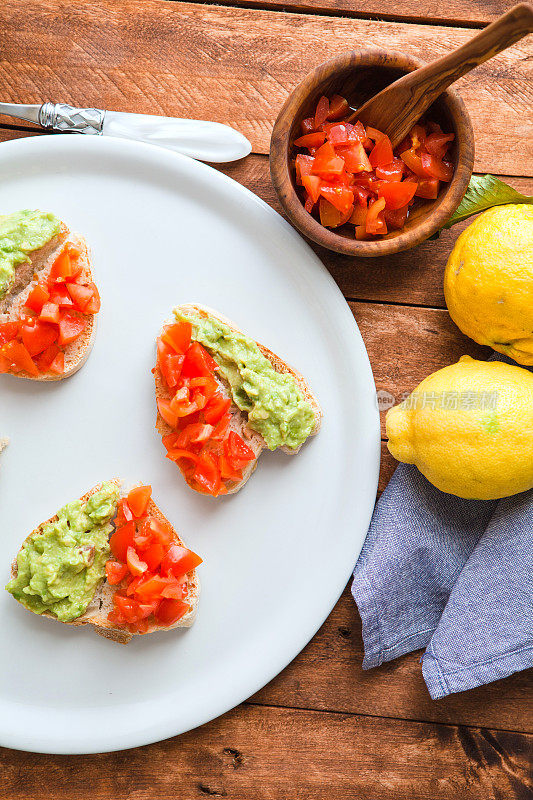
(453, 12)
(413, 277)
(275, 754)
(327, 675)
(406, 344)
(234, 65)
(398, 107)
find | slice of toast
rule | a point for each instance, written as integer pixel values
(102, 602)
(37, 269)
(239, 420)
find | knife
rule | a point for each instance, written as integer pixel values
(206, 141)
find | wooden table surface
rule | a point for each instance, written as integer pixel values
(323, 729)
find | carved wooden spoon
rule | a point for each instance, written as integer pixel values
(397, 108)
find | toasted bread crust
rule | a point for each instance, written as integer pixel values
(102, 602)
(254, 439)
(76, 353)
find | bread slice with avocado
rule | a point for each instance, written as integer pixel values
(253, 400)
(68, 569)
(41, 304)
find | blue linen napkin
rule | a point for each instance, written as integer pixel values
(452, 575)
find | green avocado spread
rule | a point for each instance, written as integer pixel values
(60, 567)
(20, 234)
(273, 401)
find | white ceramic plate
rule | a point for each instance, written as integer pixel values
(166, 230)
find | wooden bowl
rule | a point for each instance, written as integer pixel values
(357, 76)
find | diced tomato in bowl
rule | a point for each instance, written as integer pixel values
(342, 166)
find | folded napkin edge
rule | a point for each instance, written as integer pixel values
(441, 683)
(374, 652)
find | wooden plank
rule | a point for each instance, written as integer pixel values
(454, 12)
(406, 344)
(234, 65)
(276, 754)
(412, 277)
(7, 134)
(327, 675)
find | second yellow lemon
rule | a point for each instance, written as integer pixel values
(488, 282)
(469, 429)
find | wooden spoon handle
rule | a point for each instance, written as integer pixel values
(416, 91)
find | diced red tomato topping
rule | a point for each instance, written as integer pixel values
(198, 415)
(198, 363)
(16, 358)
(51, 356)
(50, 313)
(393, 171)
(339, 197)
(62, 266)
(375, 221)
(327, 163)
(170, 611)
(60, 296)
(138, 500)
(37, 298)
(308, 125)
(311, 139)
(428, 188)
(115, 572)
(80, 295)
(435, 168)
(322, 111)
(8, 331)
(37, 336)
(311, 184)
(330, 216)
(153, 555)
(151, 572)
(338, 107)
(123, 514)
(55, 313)
(397, 194)
(344, 167)
(303, 167)
(396, 219)
(178, 561)
(237, 451)
(135, 565)
(178, 337)
(70, 327)
(121, 539)
(381, 153)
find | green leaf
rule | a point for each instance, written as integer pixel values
(485, 191)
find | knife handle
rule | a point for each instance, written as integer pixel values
(62, 117)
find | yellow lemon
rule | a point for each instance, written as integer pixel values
(469, 429)
(488, 283)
